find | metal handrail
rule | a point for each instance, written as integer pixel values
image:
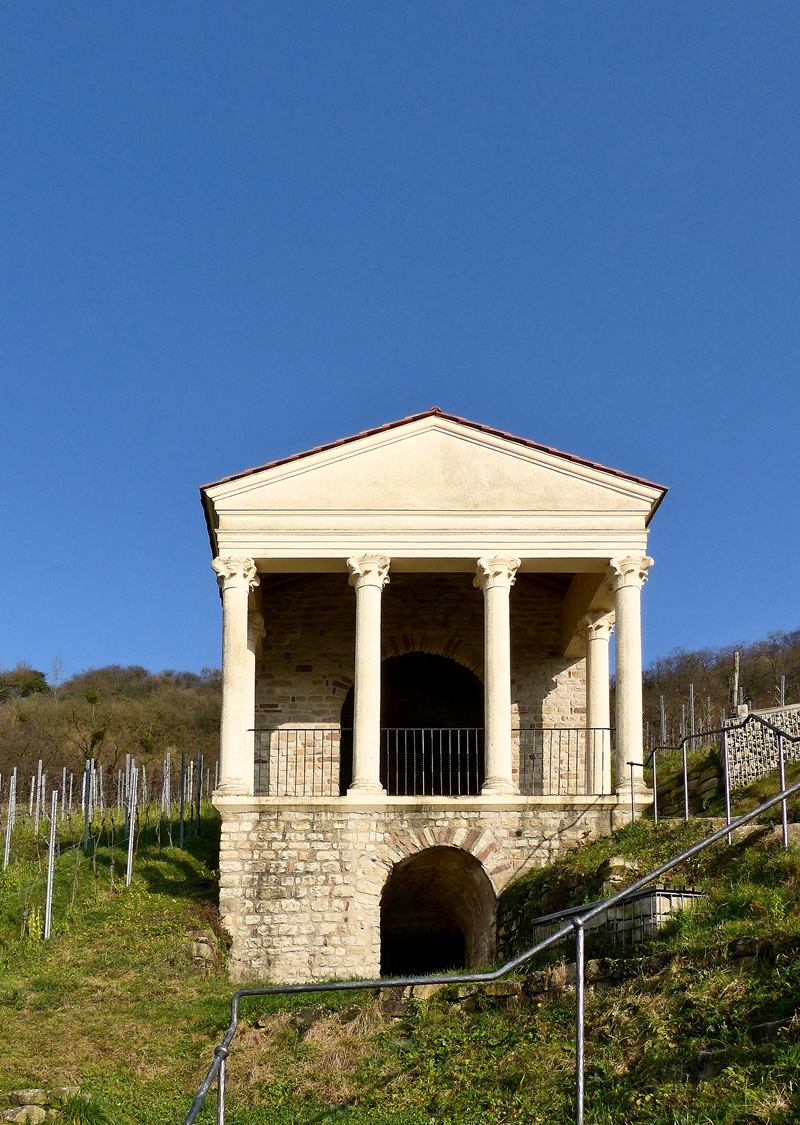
(576, 926)
(683, 746)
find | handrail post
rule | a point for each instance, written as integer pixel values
(579, 1017)
(655, 788)
(223, 1054)
(726, 771)
(685, 782)
(784, 810)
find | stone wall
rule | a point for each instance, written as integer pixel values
(301, 882)
(753, 749)
(305, 669)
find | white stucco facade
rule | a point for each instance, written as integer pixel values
(407, 616)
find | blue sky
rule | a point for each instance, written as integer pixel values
(232, 231)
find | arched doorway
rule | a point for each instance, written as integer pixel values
(438, 912)
(431, 728)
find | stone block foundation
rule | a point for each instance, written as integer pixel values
(301, 881)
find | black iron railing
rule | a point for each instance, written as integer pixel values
(432, 761)
(298, 762)
(564, 761)
(414, 761)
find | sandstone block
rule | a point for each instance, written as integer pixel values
(503, 988)
(425, 991)
(62, 1093)
(29, 1097)
(33, 1114)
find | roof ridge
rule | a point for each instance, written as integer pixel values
(436, 411)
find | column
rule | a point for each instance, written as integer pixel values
(255, 633)
(236, 578)
(598, 626)
(626, 578)
(495, 576)
(368, 574)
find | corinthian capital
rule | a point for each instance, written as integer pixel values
(631, 571)
(598, 625)
(368, 570)
(498, 571)
(235, 573)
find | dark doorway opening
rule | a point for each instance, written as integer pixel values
(437, 912)
(431, 728)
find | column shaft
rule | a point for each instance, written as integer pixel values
(626, 578)
(598, 626)
(495, 577)
(236, 577)
(255, 632)
(368, 574)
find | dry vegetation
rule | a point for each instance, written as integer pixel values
(324, 1064)
(106, 713)
(711, 671)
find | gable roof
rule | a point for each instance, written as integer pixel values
(436, 412)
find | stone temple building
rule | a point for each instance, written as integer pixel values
(416, 626)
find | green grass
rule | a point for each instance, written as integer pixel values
(112, 1003)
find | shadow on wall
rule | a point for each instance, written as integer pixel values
(420, 690)
(438, 911)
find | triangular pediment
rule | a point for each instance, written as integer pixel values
(434, 463)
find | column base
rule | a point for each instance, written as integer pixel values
(233, 788)
(622, 814)
(366, 787)
(493, 786)
(642, 794)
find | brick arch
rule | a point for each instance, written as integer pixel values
(479, 842)
(454, 646)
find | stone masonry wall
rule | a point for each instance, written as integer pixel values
(753, 749)
(305, 668)
(301, 882)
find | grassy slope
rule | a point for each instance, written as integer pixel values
(114, 1003)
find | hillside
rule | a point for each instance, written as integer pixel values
(106, 713)
(116, 1003)
(710, 671)
(113, 711)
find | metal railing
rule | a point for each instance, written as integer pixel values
(581, 920)
(432, 761)
(414, 761)
(564, 761)
(730, 773)
(298, 762)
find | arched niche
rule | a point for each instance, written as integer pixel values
(438, 912)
